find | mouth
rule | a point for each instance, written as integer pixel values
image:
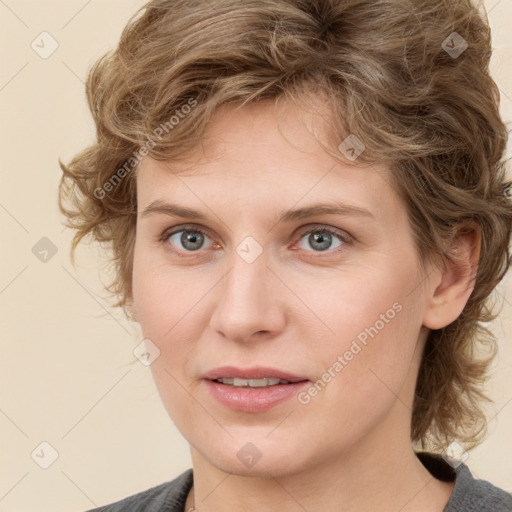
(251, 383)
(252, 389)
(255, 377)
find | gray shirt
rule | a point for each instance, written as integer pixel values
(468, 495)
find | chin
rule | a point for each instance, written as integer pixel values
(257, 458)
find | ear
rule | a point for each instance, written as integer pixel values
(451, 286)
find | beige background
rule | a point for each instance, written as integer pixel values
(65, 373)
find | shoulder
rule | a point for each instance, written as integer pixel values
(166, 497)
(469, 493)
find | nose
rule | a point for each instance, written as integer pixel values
(249, 301)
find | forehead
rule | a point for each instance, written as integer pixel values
(265, 152)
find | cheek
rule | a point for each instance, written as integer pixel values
(168, 304)
(376, 323)
(163, 295)
(362, 382)
(363, 305)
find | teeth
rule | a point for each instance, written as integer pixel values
(252, 383)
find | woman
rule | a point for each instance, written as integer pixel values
(307, 211)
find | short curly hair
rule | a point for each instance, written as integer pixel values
(410, 78)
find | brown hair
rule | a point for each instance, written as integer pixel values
(394, 75)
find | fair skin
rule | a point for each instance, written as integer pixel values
(295, 308)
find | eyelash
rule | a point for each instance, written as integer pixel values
(164, 238)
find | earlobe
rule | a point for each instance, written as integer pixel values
(451, 286)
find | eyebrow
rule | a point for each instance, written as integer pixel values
(335, 208)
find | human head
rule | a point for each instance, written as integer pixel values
(381, 68)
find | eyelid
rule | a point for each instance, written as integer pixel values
(182, 227)
(343, 235)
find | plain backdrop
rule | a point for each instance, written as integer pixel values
(66, 378)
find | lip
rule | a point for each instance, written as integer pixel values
(256, 372)
(252, 400)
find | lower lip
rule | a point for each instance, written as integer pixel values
(253, 399)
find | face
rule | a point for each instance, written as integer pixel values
(328, 301)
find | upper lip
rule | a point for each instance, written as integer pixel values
(256, 372)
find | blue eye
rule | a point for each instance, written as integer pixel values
(321, 239)
(190, 239)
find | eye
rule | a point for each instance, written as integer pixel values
(186, 239)
(192, 239)
(322, 239)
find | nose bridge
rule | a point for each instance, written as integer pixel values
(245, 305)
(248, 277)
